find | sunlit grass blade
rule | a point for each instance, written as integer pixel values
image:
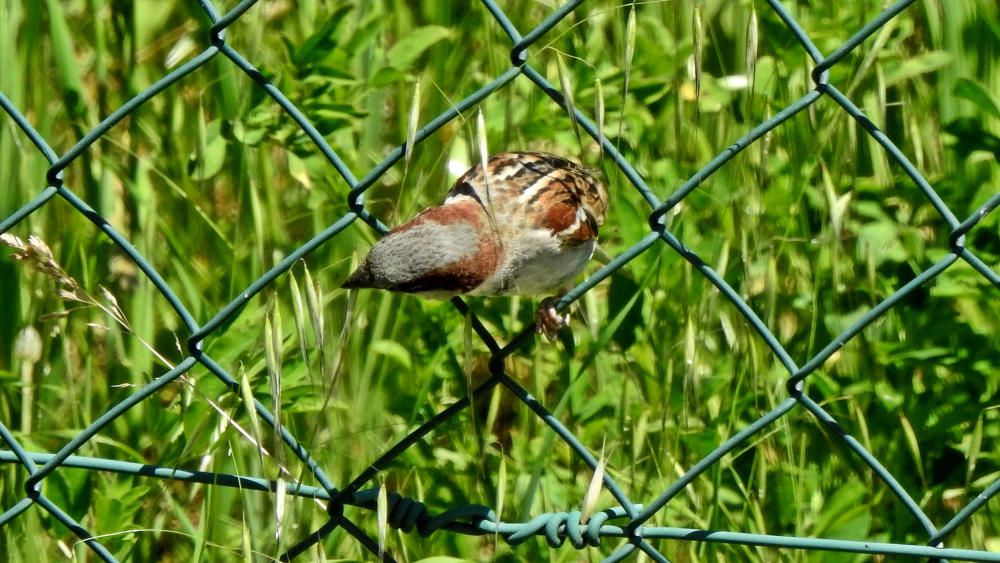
(482, 146)
(753, 44)
(629, 45)
(280, 498)
(246, 393)
(567, 92)
(272, 354)
(698, 36)
(299, 317)
(382, 515)
(975, 448)
(593, 490)
(413, 122)
(501, 492)
(599, 111)
(628, 57)
(247, 543)
(913, 445)
(314, 301)
(63, 52)
(483, 153)
(28, 351)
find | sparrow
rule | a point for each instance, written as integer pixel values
(527, 225)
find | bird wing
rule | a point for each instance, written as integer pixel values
(556, 193)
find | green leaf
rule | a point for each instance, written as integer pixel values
(319, 45)
(409, 48)
(386, 76)
(206, 162)
(976, 93)
(67, 67)
(913, 445)
(882, 242)
(915, 66)
(118, 504)
(248, 135)
(845, 514)
(975, 447)
(70, 490)
(393, 350)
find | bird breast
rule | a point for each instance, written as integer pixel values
(535, 263)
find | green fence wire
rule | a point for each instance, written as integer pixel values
(628, 520)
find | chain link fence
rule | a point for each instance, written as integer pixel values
(627, 524)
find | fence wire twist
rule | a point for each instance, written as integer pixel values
(408, 514)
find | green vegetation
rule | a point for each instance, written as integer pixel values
(214, 184)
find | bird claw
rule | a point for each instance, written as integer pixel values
(548, 321)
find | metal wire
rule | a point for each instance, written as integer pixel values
(408, 514)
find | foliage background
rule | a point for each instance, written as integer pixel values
(213, 184)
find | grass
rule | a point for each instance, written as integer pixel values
(214, 185)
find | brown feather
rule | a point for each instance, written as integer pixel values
(397, 264)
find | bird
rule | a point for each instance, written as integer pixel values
(527, 225)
